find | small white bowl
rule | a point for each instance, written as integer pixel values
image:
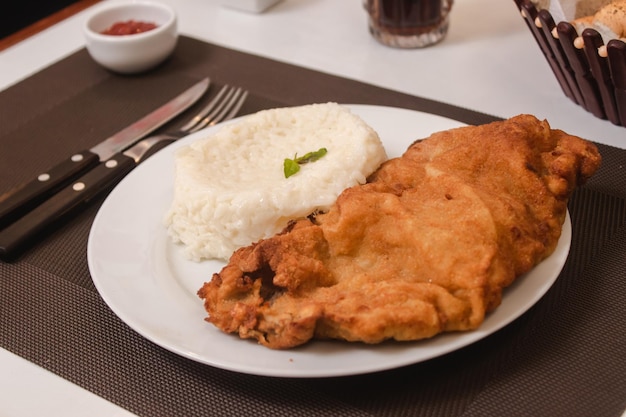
(134, 53)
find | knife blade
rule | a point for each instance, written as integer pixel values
(34, 225)
(24, 198)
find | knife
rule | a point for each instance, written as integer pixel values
(24, 198)
(21, 234)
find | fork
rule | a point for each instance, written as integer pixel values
(224, 106)
(17, 237)
(218, 110)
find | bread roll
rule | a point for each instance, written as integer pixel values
(612, 18)
(609, 21)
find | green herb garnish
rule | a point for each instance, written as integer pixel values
(292, 166)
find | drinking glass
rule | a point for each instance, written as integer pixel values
(408, 23)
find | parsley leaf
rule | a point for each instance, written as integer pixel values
(292, 166)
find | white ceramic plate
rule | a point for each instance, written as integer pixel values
(146, 281)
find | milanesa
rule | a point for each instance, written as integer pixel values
(426, 246)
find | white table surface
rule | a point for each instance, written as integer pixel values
(489, 62)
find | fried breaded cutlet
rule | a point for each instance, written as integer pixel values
(426, 246)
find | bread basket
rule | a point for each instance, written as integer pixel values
(591, 74)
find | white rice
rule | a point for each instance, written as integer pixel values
(230, 189)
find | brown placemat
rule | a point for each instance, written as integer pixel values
(565, 356)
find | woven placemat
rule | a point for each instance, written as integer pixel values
(563, 357)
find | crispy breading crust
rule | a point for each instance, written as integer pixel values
(426, 246)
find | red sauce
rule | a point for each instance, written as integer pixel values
(130, 27)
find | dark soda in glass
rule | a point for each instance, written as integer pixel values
(408, 23)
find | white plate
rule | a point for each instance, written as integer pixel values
(145, 280)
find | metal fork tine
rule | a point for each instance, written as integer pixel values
(237, 106)
(215, 113)
(227, 106)
(209, 107)
(224, 110)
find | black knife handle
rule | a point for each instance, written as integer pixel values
(53, 212)
(26, 197)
